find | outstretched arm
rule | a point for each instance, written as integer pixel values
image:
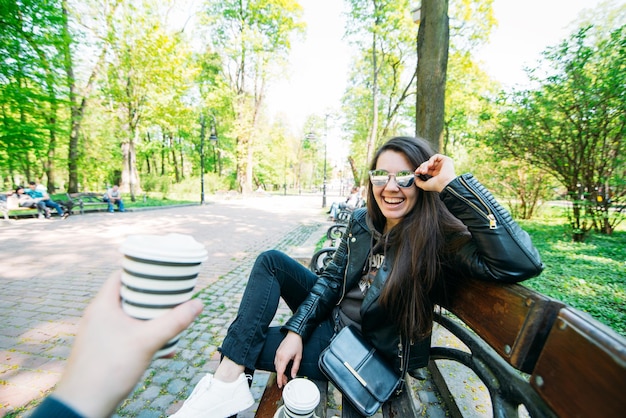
(112, 350)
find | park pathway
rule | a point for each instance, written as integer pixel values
(51, 269)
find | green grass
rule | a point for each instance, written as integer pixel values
(155, 201)
(589, 276)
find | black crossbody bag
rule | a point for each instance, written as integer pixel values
(360, 373)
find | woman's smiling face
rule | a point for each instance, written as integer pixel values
(394, 202)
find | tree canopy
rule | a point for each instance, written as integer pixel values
(96, 92)
(573, 123)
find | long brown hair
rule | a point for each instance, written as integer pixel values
(422, 241)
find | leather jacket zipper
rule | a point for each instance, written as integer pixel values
(345, 270)
(488, 215)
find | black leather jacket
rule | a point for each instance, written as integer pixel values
(498, 251)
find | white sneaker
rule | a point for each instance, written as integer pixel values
(212, 398)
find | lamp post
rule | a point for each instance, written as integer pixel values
(324, 184)
(325, 145)
(312, 136)
(202, 122)
(213, 138)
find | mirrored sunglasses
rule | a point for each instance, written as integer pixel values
(381, 178)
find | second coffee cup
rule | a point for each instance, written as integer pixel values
(301, 397)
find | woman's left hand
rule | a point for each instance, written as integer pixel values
(289, 349)
(440, 168)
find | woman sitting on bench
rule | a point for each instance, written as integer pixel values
(422, 224)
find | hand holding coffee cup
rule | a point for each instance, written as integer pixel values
(159, 272)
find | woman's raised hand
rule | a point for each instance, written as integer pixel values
(440, 168)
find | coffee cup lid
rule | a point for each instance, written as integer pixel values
(175, 248)
(301, 395)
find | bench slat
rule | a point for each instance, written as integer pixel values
(83, 199)
(512, 319)
(272, 398)
(581, 371)
(400, 406)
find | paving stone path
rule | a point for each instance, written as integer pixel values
(51, 269)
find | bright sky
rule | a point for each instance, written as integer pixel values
(525, 29)
(319, 65)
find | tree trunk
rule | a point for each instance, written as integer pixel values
(130, 176)
(77, 110)
(432, 51)
(181, 155)
(371, 140)
(355, 172)
(163, 154)
(175, 163)
(49, 165)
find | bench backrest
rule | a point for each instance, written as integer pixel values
(577, 364)
(581, 370)
(512, 319)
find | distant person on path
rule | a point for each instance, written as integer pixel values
(351, 202)
(422, 227)
(110, 354)
(40, 194)
(113, 196)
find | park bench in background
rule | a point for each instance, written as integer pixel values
(88, 200)
(9, 204)
(83, 201)
(526, 348)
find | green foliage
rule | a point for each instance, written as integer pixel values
(252, 38)
(589, 276)
(471, 22)
(155, 183)
(574, 123)
(466, 86)
(523, 187)
(31, 88)
(212, 184)
(134, 108)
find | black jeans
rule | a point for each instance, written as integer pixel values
(250, 341)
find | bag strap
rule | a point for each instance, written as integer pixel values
(404, 351)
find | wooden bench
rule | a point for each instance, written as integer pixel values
(88, 200)
(571, 364)
(399, 406)
(9, 204)
(526, 348)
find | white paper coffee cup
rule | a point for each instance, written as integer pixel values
(159, 272)
(300, 397)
